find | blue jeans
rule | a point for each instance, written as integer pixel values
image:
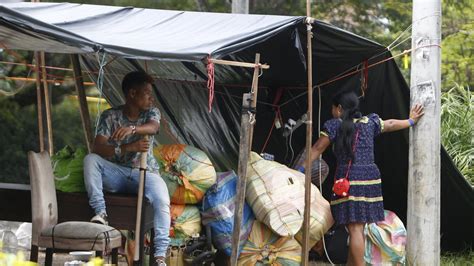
(101, 174)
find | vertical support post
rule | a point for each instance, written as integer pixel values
(39, 101)
(423, 217)
(137, 255)
(242, 173)
(309, 138)
(254, 93)
(240, 6)
(83, 108)
(47, 103)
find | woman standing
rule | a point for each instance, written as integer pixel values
(353, 137)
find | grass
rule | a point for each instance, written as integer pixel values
(457, 136)
(458, 258)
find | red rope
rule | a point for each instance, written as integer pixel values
(210, 82)
(365, 81)
(277, 116)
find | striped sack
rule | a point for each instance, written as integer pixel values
(276, 195)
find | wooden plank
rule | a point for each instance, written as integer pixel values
(242, 173)
(239, 64)
(254, 92)
(83, 108)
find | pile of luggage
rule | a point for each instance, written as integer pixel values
(272, 215)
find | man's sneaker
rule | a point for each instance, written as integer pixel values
(100, 218)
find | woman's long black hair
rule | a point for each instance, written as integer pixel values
(345, 136)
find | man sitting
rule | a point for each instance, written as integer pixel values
(114, 164)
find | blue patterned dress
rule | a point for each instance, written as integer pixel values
(364, 203)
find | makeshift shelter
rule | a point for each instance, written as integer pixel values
(174, 46)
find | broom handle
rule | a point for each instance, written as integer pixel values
(141, 188)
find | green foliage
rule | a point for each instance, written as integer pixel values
(457, 128)
(19, 127)
(458, 44)
(464, 258)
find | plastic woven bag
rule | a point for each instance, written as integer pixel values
(276, 195)
(68, 169)
(218, 212)
(321, 218)
(267, 248)
(185, 222)
(385, 241)
(187, 171)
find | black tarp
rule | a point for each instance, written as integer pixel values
(173, 46)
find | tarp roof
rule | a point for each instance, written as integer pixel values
(141, 33)
(179, 41)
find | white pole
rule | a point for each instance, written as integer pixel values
(240, 6)
(423, 219)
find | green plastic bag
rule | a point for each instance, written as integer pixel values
(68, 169)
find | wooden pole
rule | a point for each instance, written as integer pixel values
(39, 102)
(83, 108)
(423, 217)
(240, 64)
(254, 93)
(242, 173)
(139, 219)
(47, 103)
(309, 137)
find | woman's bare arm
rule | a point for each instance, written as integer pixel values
(391, 125)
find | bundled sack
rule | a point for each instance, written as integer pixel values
(68, 169)
(185, 222)
(187, 171)
(315, 174)
(385, 241)
(218, 212)
(276, 195)
(321, 219)
(267, 248)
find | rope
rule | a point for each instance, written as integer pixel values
(100, 84)
(8, 93)
(210, 82)
(372, 65)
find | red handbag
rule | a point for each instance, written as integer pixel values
(341, 186)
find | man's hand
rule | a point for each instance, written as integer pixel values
(121, 133)
(141, 145)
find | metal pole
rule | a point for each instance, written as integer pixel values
(240, 6)
(309, 136)
(423, 217)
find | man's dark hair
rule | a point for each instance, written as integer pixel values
(135, 79)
